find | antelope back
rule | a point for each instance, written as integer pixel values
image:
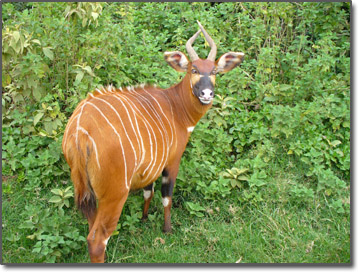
(123, 132)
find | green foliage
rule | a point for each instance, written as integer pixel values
(278, 133)
(53, 236)
(236, 176)
(195, 209)
(61, 197)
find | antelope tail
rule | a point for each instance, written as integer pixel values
(85, 198)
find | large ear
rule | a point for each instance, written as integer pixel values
(177, 60)
(229, 61)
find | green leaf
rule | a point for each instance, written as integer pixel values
(68, 189)
(79, 77)
(89, 70)
(38, 117)
(37, 94)
(57, 191)
(17, 47)
(240, 171)
(195, 206)
(48, 127)
(55, 199)
(18, 98)
(68, 194)
(52, 259)
(258, 179)
(57, 253)
(13, 238)
(31, 237)
(199, 214)
(16, 36)
(6, 79)
(48, 53)
(36, 41)
(36, 250)
(335, 143)
(243, 177)
(94, 15)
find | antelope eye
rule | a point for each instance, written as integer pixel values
(193, 71)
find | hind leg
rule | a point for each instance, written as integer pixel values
(91, 219)
(108, 213)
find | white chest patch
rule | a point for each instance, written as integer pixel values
(190, 129)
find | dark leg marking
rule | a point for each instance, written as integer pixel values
(148, 195)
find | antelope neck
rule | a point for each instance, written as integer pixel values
(187, 107)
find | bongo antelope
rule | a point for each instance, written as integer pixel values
(119, 140)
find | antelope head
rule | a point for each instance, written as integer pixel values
(202, 72)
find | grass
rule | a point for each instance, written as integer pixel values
(264, 234)
(230, 231)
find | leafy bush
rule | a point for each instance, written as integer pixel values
(54, 235)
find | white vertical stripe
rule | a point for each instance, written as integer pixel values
(167, 139)
(171, 110)
(140, 145)
(120, 142)
(152, 108)
(153, 163)
(170, 125)
(93, 143)
(173, 122)
(155, 113)
(99, 91)
(65, 136)
(78, 121)
(156, 153)
(124, 128)
(162, 163)
(146, 124)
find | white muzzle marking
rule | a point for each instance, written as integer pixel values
(206, 96)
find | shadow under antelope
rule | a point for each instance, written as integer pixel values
(118, 140)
